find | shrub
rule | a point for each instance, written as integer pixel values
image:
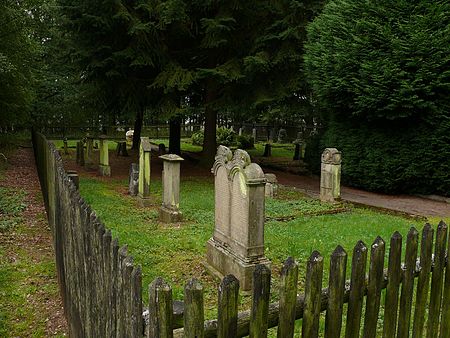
(245, 142)
(197, 138)
(380, 74)
(225, 136)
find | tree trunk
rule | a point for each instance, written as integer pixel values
(175, 135)
(209, 137)
(138, 128)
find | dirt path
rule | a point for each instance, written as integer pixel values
(29, 292)
(402, 203)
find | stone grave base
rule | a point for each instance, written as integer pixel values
(220, 258)
(170, 216)
(104, 170)
(144, 201)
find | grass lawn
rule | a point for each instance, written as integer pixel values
(176, 252)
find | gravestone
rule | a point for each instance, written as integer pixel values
(133, 182)
(80, 153)
(103, 168)
(89, 151)
(145, 153)
(267, 150)
(161, 149)
(237, 245)
(297, 151)
(282, 136)
(254, 134)
(271, 188)
(170, 209)
(272, 135)
(241, 130)
(129, 136)
(121, 149)
(66, 148)
(330, 176)
(73, 176)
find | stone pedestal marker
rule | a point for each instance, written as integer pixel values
(133, 183)
(271, 188)
(330, 176)
(89, 160)
(237, 245)
(104, 168)
(170, 209)
(145, 154)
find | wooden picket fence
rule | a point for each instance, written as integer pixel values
(427, 316)
(101, 288)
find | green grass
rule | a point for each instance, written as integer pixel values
(278, 150)
(24, 279)
(176, 253)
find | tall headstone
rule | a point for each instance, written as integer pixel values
(133, 182)
(330, 176)
(145, 154)
(267, 150)
(254, 134)
(80, 153)
(297, 151)
(161, 149)
(237, 245)
(66, 148)
(241, 130)
(89, 160)
(170, 209)
(104, 168)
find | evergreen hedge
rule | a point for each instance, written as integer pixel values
(380, 72)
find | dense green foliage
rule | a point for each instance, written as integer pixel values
(381, 77)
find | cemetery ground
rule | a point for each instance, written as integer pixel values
(295, 225)
(30, 305)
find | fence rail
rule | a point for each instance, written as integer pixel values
(101, 287)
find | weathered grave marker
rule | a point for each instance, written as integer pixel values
(170, 209)
(297, 151)
(237, 245)
(145, 154)
(133, 182)
(254, 135)
(330, 177)
(271, 188)
(73, 176)
(282, 136)
(161, 149)
(121, 149)
(80, 153)
(89, 150)
(104, 168)
(267, 150)
(66, 148)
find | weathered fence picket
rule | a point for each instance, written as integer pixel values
(404, 317)
(288, 297)
(356, 296)
(436, 281)
(101, 286)
(393, 285)
(423, 283)
(336, 289)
